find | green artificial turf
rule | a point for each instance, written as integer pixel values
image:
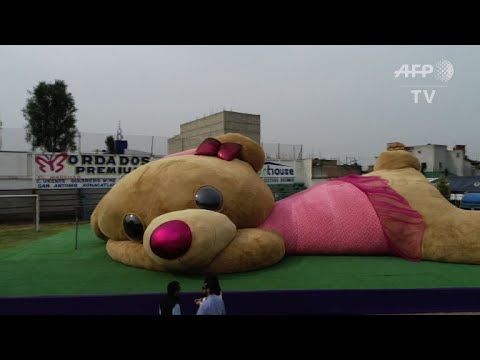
(12, 236)
(51, 266)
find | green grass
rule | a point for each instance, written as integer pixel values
(51, 266)
(12, 236)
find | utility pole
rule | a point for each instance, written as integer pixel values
(1, 126)
(79, 134)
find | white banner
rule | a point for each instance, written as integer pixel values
(74, 171)
(277, 173)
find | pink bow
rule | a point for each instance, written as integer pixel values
(224, 151)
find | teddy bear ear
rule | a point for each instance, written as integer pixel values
(251, 151)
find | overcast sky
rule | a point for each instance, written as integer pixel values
(335, 100)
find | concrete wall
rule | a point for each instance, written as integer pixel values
(15, 170)
(455, 163)
(425, 154)
(194, 132)
(438, 158)
(209, 126)
(15, 183)
(15, 164)
(327, 169)
(175, 144)
(245, 124)
(468, 170)
(311, 173)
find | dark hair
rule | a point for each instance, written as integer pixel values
(173, 287)
(211, 282)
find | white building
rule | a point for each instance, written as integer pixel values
(440, 159)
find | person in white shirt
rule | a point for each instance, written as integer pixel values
(212, 303)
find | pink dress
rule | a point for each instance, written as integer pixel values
(353, 215)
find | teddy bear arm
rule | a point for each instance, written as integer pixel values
(251, 249)
(96, 227)
(131, 253)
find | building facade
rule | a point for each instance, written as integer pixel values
(440, 159)
(194, 132)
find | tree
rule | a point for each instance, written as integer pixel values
(50, 115)
(110, 143)
(444, 187)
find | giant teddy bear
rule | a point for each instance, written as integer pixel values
(207, 210)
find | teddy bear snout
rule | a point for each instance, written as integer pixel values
(171, 239)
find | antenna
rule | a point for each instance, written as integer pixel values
(119, 132)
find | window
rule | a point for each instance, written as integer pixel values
(440, 165)
(419, 151)
(424, 167)
(458, 155)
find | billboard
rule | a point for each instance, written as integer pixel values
(74, 171)
(277, 173)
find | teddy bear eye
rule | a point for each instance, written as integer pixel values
(133, 226)
(209, 198)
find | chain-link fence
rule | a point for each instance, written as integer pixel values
(283, 151)
(272, 150)
(95, 142)
(13, 139)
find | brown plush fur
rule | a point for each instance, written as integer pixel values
(251, 153)
(211, 233)
(132, 253)
(227, 241)
(452, 234)
(165, 189)
(251, 249)
(399, 159)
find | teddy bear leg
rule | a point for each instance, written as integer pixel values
(451, 234)
(455, 237)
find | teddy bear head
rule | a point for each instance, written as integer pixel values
(180, 212)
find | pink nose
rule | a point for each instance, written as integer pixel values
(171, 240)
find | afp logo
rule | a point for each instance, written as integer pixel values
(441, 71)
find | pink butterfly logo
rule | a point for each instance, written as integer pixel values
(55, 163)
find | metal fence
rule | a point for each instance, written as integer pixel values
(13, 139)
(87, 142)
(53, 204)
(283, 151)
(95, 142)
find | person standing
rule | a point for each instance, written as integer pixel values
(170, 305)
(212, 303)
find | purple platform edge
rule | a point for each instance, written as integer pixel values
(275, 302)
